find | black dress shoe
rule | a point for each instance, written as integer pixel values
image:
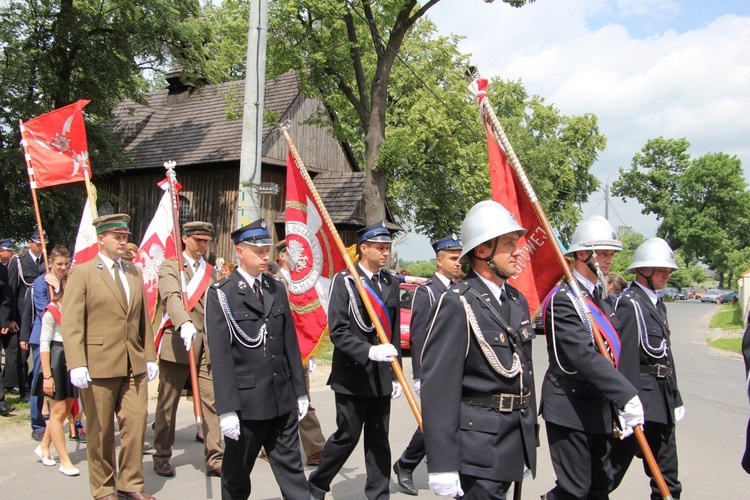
(405, 480)
(5, 410)
(37, 435)
(198, 438)
(25, 398)
(163, 468)
(13, 390)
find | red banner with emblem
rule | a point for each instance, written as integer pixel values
(537, 276)
(56, 145)
(313, 262)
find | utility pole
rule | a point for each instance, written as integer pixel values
(606, 200)
(248, 202)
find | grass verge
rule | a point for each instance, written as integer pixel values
(731, 345)
(729, 317)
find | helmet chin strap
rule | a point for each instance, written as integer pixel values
(648, 279)
(593, 266)
(491, 263)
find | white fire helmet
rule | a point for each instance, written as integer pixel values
(595, 233)
(487, 220)
(654, 252)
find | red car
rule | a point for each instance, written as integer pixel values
(406, 294)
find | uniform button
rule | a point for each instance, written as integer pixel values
(273, 356)
(573, 391)
(531, 372)
(274, 375)
(270, 337)
(471, 424)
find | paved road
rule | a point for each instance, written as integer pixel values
(710, 439)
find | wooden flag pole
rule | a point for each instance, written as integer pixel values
(410, 397)
(502, 139)
(90, 189)
(197, 408)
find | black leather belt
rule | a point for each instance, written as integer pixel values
(661, 371)
(501, 402)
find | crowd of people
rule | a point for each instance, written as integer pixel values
(611, 371)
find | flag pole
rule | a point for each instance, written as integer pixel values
(90, 190)
(410, 398)
(499, 135)
(197, 409)
(32, 184)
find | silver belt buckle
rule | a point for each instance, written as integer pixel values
(662, 371)
(505, 405)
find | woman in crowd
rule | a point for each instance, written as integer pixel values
(55, 384)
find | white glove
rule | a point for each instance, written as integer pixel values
(303, 404)
(632, 414)
(312, 364)
(679, 413)
(383, 353)
(152, 370)
(79, 377)
(625, 431)
(188, 334)
(418, 386)
(397, 390)
(446, 484)
(230, 425)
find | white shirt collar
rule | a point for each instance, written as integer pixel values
(33, 255)
(192, 262)
(584, 281)
(108, 262)
(443, 279)
(494, 288)
(249, 278)
(651, 295)
(367, 272)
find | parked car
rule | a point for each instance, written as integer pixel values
(699, 293)
(729, 296)
(405, 295)
(712, 295)
(670, 293)
(682, 295)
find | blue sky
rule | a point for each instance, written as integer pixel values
(646, 68)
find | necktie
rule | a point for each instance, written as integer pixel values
(376, 281)
(196, 265)
(256, 289)
(38, 260)
(504, 304)
(118, 282)
(598, 293)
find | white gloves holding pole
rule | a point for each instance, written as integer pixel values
(188, 334)
(383, 353)
(630, 416)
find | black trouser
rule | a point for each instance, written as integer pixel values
(477, 488)
(661, 440)
(414, 452)
(15, 372)
(279, 437)
(581, 463)
(353, 413)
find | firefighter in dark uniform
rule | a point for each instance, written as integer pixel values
(448, 260)
(648, 363)
(361, 375)
(259, 385)
(478, 406)
(581, 387)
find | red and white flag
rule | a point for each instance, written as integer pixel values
(538, 262)
(314, 259)
(56, 146)
(86, 245)
(157, 245)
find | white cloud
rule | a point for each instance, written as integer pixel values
(676, 83)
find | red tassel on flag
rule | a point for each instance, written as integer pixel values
(56, 146)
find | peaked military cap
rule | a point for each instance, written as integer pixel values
(198, 228)
(35, 236)
(450, 242)
(7, 244)
(255, 233)
(280, 246)
(116, 223)
(374, 232)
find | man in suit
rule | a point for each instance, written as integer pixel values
(109, 348)
(258, 379)
(22, 271)
(361, 375)
(310, 432)
(581, 387)
(648, 364)
(448, 261)
(187, 328)
(6, 303)
(477, 383)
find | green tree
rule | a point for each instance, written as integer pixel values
(682, 276)
(57, 51)
(348, 51)
(630, 241)
(702, 204)
(421, 268)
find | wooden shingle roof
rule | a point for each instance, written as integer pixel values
(194, 127)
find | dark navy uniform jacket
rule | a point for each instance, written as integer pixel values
(263, 382)
(352, 371)
(660, 396)
(477, 441)
(580, 385)
(425, 296)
